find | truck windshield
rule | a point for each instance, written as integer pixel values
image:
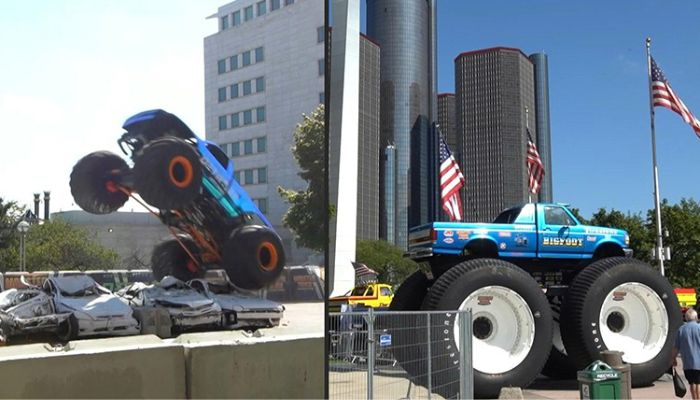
(507, 216)
(358, 291)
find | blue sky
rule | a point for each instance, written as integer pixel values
(599, 101)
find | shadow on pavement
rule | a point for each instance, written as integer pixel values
(545, 383)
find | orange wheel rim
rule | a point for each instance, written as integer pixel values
(180, 171)
(267, 256)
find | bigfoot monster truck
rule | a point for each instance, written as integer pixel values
(547, 294)
(191, 183)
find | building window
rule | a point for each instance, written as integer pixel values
(235, 121)
(259, 56)
(259, 84)
(262, 175)
(224, 22)
(320, 34)
(247, 117)
(237, 176)
(260, 114)
(234, 62)
(236, 18)
(235, 149)
(274, 5)
(222, 123)
(321, 67)
(262, 144)
(248, 13)
(247, 88)
(288, 2)
(248, 146)
(246, 58)
(222, 94)
(262, 205)
(234, 91)
(248, 176)
(322, 98)
(262, 8)
(222, 66)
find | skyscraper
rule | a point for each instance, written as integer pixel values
(446, 118)
(494, 87)
(405, 32)
(264, 68)
(544, 141)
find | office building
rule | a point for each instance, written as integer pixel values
(264, 68)
(494, 87)
(405, 32)
(446, 119)
(544, 136)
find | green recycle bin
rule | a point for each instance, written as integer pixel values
(599, 381)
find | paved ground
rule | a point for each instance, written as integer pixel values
(545, 388)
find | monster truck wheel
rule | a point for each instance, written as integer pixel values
(69, 329)
(92, 182)
(511, 325)
(168, 174)
(406, 338)
(559, 365)
(621, 304)
(253, 257)
(169, 258)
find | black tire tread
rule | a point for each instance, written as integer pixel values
(169, 258)
(87, 182)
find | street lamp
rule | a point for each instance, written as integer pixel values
(22, 227)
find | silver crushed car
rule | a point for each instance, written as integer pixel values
(240, 311)
(29, 311)
(187, 307)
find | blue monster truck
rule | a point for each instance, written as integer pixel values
(547, 294)
(191, 183)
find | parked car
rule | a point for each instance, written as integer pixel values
(187, 308)
(30, 311)
(239, 310)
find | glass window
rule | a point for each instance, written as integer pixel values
(237, 176)
(370, 291)
(321, 67)
(235, 149)
(288, 2)
(262, 175)
(260, 114)
(259, 84)
(235, 120)
(234, 62)
(274, 5)
(248, 146)
(247, 87)
(236, 18)
(234, 90)
(224, 22)
(248, 13)
(246, 58)
(262, 8)
(320, 34)
(248, 176)
(385, 291)
(557, 216)
(222, 94)
(259, 56)
(247, 117)
(322, 98)
(222, 123)
(262, 205)
(222, 66)
(262, 144)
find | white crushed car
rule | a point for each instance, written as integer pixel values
(29, 311)
(187, 307)
(240, 311)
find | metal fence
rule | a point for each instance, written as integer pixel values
(400, 355)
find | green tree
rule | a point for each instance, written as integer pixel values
(682, 221)
(640, 239)
(307, 215)
(386, 259)
(10, 214)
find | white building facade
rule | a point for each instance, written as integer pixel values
(264, 68)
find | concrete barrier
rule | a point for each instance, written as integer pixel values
(134, 367)
(256, 368)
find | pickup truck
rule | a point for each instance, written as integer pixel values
(547, 294)
(373, 295)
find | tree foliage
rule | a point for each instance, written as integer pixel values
(638, 230)
(386, 259)
(307, 214)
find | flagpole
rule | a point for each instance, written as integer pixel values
(527, 127)
(659, 237)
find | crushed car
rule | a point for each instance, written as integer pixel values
(239, 310)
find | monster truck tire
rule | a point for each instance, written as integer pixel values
(168, 173)
(509, 311)
(621, 304)
(92, 182)
(68, 329)
(169, 258)
(406, 338)
(559, 365)
(253, 257)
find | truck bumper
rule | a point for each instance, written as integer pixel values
(628, 252)
(419, 253)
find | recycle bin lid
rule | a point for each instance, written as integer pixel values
(598, 371)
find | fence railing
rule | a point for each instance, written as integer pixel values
(400, 354)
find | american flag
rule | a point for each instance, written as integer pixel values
(663, 96)
(451, 180)
(534, 165)
(363, 273)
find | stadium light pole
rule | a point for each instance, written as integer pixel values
(22, 227)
